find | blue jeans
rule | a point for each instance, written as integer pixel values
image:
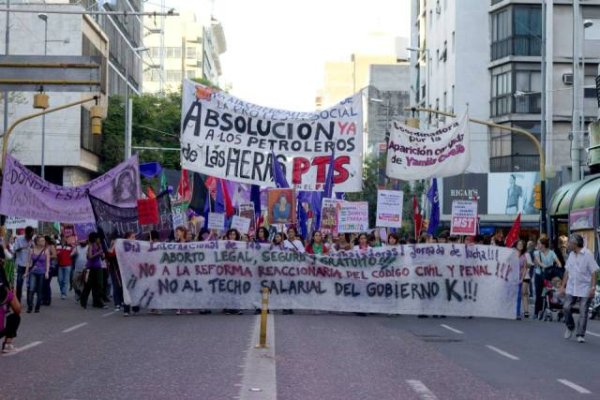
(36, 286)
(64, 279)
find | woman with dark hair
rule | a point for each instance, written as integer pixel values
(393, 240)
(343, 243)
(361, 243)
(293, 242)
(316, 245)
(203, 235)
(277, 243)
(262, 235)
(39, 264)
(545, 259)
(47, 291)
(95, 254)
(233, 234)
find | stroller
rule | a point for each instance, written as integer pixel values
(553, 302)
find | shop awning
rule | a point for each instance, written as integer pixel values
(587, 194)
(562, 199)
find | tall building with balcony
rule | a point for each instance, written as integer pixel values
(449, 65)
(71, 153)
(517, 80)
(186, 47)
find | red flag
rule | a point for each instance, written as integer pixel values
(229, 210)
(513, 234)
(150, 193)
(183, 191)
(148, 211)
(211, 184)
(418, 218)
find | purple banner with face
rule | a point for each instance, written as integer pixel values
(25, 194)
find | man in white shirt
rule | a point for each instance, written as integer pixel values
(580, 284)
(293, 242)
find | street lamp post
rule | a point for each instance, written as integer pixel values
(44, 18)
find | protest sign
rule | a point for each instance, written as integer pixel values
(117, 221)
(464, 218)
(179, 211)
(20, 223)
(281, 206)
(216, 221)
(229, 138)
(242, 224)
(438, 279)
(25, 194)
(421, 154)
(329, 215)
(389, 208)
(246, 210)
(353, 216)
(147, 211)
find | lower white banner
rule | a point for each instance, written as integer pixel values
(438, 279)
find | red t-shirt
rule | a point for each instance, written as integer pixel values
(64, 256)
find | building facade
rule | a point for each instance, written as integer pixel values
(187, 47)
(71, 153)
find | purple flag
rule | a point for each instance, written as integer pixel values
(328, 189)
(255, 198)
(277, 172)
(434, 199)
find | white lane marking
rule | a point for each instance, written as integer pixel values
(71, 329)
(574, 386)
(108, 313)
(23, 348)
(259, 376)
(421, 390)
(451, 329)
(592, 333)
(502, 352)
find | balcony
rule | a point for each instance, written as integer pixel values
(517, 45)
(521, 163)
(517, 103)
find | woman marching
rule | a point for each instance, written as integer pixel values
(39, 265)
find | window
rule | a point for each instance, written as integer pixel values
(173, 75)
(154, 52)
(516, 30)
(190, 53)
(500, 34)
(501, 94)
(173, 52)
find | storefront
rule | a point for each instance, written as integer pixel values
(574, 208)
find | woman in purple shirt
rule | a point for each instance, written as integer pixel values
(39, 266)
(95, 254)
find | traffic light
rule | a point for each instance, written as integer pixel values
(537, 196)
(96, 117)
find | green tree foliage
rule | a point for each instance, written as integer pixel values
(155, 123)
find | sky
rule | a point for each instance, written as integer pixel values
(277, 49)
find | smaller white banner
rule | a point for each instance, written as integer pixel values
(19, 223)
(216, 221)
(389, 208)
(464, 218)
(421, 154)
(353, 216)
(242, 224)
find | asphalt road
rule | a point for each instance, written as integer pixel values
(70, 353)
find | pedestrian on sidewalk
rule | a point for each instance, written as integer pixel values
(22, 251)
(579, 284)
(39, 266)
(9, 321)
(545, 259)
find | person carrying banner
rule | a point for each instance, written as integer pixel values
(39, 265)
(127, 308)
(293, 242)
(95, 255)
(262, 235)
(22, 251)
(579, 284)
(316, 245)
(361, 243)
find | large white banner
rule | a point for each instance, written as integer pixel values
(446, 279)
(229, 138)
(421, 154)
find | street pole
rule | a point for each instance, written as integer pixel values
(6, 52)
(575, 123)
(518, 131)
(126, 105)
(43, 166)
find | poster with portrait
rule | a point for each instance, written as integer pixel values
(329, 215)
(282, 206)
(246, 210)
(513, 193)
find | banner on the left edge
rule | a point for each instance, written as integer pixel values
(229, 138)
(27, 195)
